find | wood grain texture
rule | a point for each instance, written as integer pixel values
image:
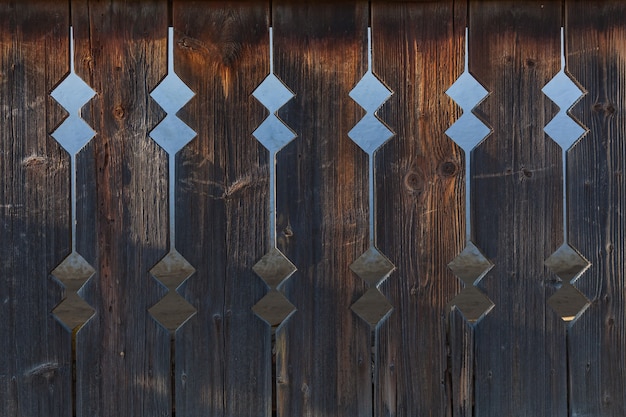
(596, 41)
(123, 354)
(418, 53)
(223, 353)
(35, 359)
(323, 349)
(520, 354)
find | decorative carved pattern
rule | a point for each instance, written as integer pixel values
(73, 134)
(370, 134)
(274, 267)
(467, 132)
(172, 134)
(565, 262)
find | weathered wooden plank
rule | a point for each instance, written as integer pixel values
(596, 41)
(323, 349)
(520, 345)
(35, 359)
(123, 355)
(461, 339)
(223, 353)
(418, 53)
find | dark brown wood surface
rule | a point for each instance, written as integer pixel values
(596, 44)
(425, 359)
(520, 355)
(223, 353)
(418, 54)
(35, 350)
(323, 349)
(123, 354)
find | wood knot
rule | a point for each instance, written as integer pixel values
(609, 109)
(448, 169)
(119, 112)
(530, 62)
(413, 182)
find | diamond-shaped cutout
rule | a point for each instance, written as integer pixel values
(172, 311)
(372, 266)
(172, 270)
(172, 93)
(372, 307)
(467, 92)
(562, 91)
(73, 311)
(370, 133)
(273, 133)
(172, 134)
(72, 93)
(470, 265)
(568, 302)
(73, 134)
(468, 131)
(274, 308)
(564, 130)
(272, 93)
(567, 263)
(370, 93)
(73, 272)
(472, 303)
(274, 268)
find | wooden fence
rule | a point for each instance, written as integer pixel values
(291, 291)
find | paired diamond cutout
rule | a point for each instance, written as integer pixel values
(172, 310)
(73, 272)
(470, 266)
(172, 134)
(73, 134)
(568, 265)
(373, 268)
(73, 93)
(566, 262)
(467, 132)
(370, 133)
(274, 268)
(564, 93)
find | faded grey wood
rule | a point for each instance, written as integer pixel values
(123, 354)
(323, 350)
(223, 353)
(418, 53)
(35, 349)
(596, 43)
(520, 350)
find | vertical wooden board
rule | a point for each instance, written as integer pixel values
(418, 53)
(35, 359)
(520, 345)
(223, 353)
(596, 41)
(461, 339)
(123, 354)
(323, 349)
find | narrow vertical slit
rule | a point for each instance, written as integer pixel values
(170, 13)
(568, 370)
(271, 15)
